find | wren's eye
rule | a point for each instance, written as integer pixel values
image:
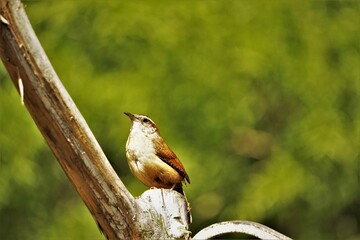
(145, 120)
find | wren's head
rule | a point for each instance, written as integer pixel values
(142, 123)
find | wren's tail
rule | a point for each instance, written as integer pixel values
(179, 189)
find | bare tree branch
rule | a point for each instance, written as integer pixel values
(62, 125)
(250, 228)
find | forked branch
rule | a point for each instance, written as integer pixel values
(118, 214)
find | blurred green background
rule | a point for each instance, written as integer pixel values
(259, 99)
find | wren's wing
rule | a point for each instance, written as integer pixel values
(168, 156)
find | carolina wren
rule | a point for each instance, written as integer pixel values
(149, 157)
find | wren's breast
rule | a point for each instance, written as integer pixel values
(138, 146)
(146, 166)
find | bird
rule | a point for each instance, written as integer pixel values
(150, 159)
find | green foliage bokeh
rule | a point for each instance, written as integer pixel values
(259, 99)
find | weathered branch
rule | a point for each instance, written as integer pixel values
(247, 227)
(62, 125)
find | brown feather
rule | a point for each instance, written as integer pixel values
(168, 156)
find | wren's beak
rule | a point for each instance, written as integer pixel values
(130, 115)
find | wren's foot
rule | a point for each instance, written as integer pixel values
(178, 187)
